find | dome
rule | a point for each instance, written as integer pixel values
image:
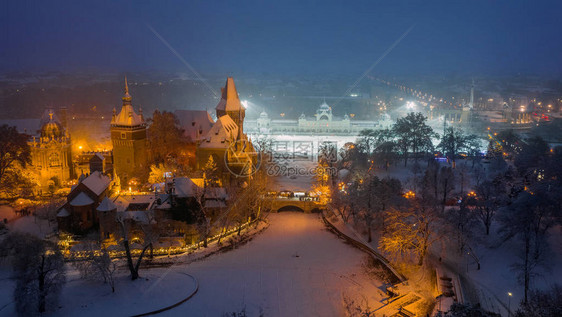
(263, 115)
(324, 106)
(52, 128)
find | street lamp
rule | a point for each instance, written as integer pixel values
(509, 304)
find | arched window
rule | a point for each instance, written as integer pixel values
(54, 160)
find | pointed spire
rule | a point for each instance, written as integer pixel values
(127, 96)
(126, 86)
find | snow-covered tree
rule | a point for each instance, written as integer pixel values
(413, 134)
(13, 149)
(547, 303)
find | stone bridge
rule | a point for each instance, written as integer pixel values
(279, 204)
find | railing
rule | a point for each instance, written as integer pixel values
(360, 245)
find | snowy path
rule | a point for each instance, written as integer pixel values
(266, 274)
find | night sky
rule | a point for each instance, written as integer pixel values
(294, 38)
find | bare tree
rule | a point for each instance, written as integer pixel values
(491, 195)
(39, 270)
(202, 216)
(446, 184)
(413, 229)
(96, 264)
(133, 268)
(529, 218)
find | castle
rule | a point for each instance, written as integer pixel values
(226, 143)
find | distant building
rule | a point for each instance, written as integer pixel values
(323, 122)
(128, 136)
(51, 156)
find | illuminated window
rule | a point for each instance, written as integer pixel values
(123, 135)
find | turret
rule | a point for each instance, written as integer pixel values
(230, 105)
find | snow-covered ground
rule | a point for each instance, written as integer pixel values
(294, 268)
(32, 225)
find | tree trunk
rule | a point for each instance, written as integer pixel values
(527, 273)
(221, 235)
(42, 286)
(140, 259)
(134, 273)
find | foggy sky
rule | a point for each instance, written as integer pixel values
(296, 38)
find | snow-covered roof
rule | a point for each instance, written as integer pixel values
(141, 202)
(81, 200)
(324, 107)
(185, 187)
(127, 117)
(229, 99)
(63, 213)
(195, 123)
(223, 132)
(98, 156)
(106, 205)
(215, 193)
(141, 216)
(97, 182)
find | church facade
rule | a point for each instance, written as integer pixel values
(129, 139)
(51, 155)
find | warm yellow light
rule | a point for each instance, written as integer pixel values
(410, 194)
(509, 294)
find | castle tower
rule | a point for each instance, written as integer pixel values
(230, 105)
(128, 136)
